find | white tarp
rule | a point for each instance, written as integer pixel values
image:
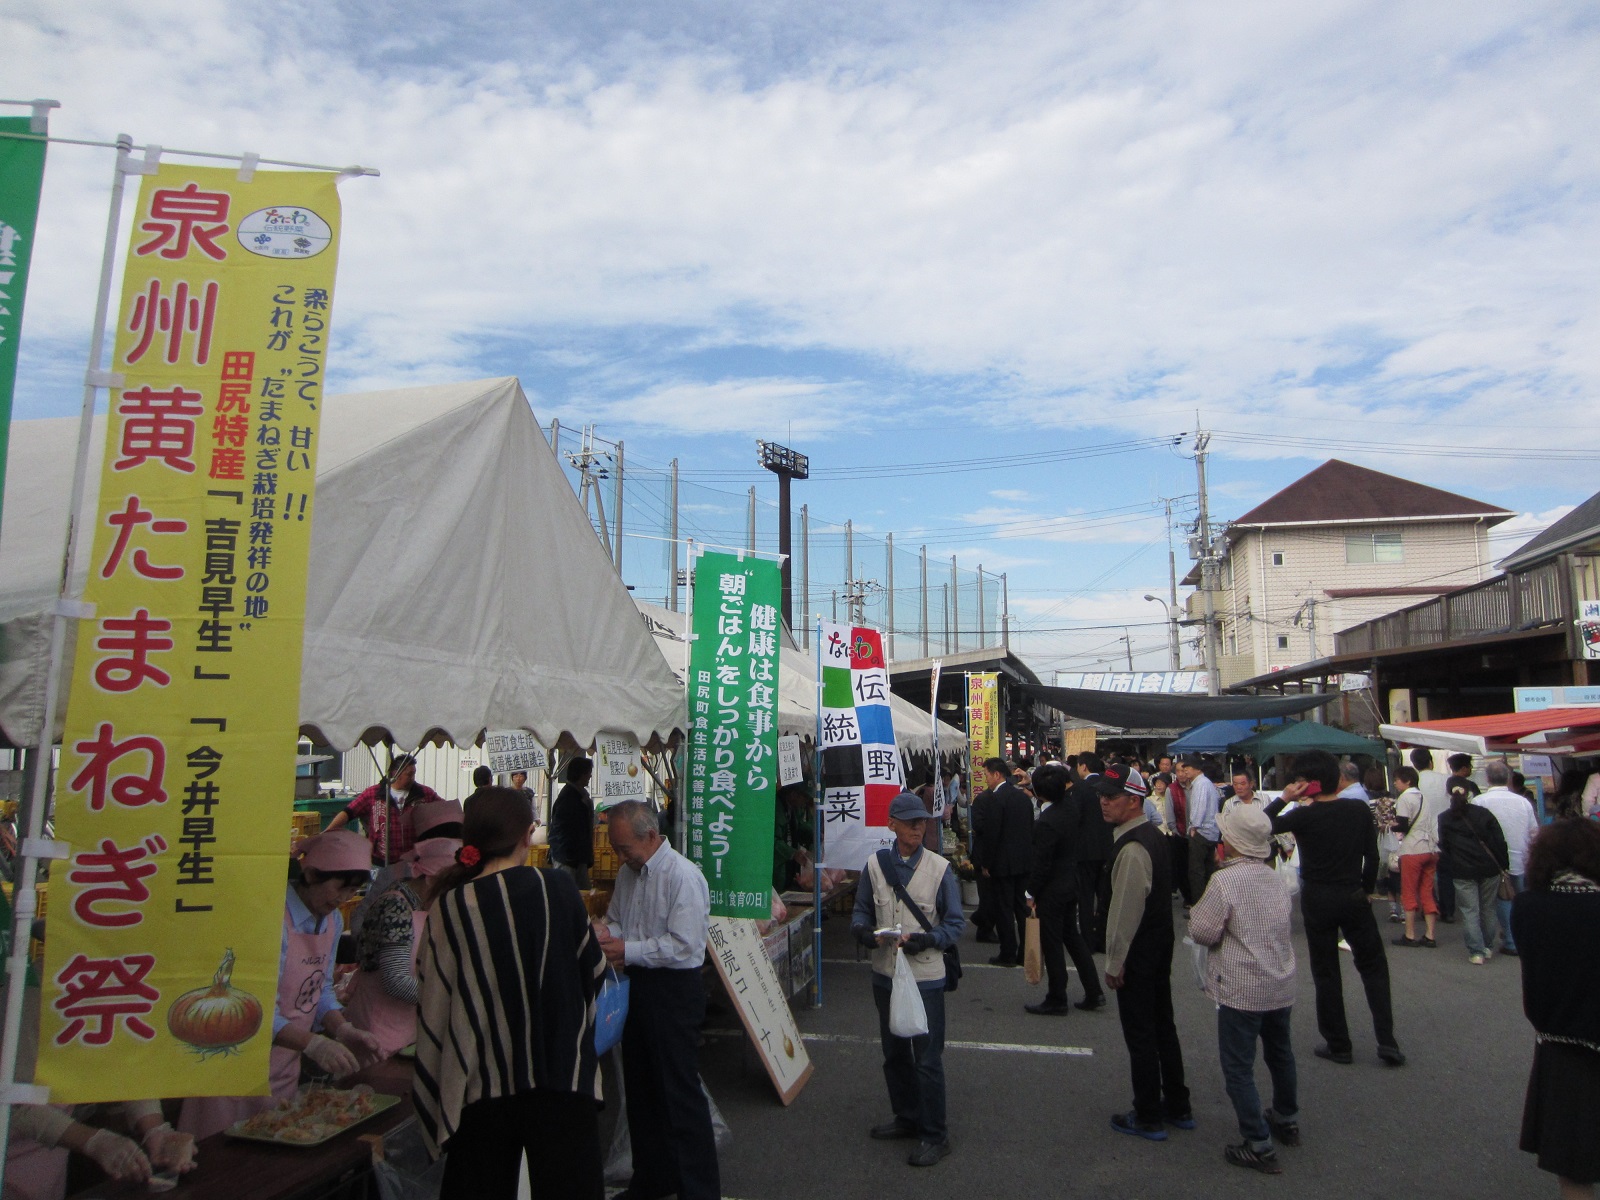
(797, 689)
(455, 584)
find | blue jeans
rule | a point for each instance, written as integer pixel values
(1477, 901)
(1237, 1032)
(1503, 907)
(914, 1067)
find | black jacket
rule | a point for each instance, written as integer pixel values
(572, 827)
(1014, 848)
(1462, 836)
(1055, 852)
(1095, 833)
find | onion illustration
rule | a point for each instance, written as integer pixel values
(216, 1019)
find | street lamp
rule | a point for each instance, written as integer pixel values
(786, 464)
(1172, 631)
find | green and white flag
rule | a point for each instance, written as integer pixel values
(733, 730)
(21, 176)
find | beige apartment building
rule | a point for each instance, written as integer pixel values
(1341, 545)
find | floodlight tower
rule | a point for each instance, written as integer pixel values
(786, 464)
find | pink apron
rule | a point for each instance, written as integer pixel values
(392, 1022)
(306, 965)
(36, 1172)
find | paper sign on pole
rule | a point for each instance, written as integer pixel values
(618, 770)
(742, 962)
(983, 721)
(21, 177)
(511, 750)
(178, 756)
(733, 733)
(860, 760)
(790, 768)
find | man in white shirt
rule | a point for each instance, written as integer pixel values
(1205, 803)
(1350, 786)
(1519, 825)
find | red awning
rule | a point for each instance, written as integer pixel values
(1548, 731)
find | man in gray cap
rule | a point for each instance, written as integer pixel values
(1244, 917)
(897, 884)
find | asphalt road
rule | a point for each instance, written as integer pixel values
(1027, 1120)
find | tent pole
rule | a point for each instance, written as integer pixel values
(25, 896)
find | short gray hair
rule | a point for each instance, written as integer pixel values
(1350, 770)
(638, 815)
(1497, 773)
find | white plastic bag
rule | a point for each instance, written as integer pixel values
(1199, 956)
(1290, 874)
(907, 1016)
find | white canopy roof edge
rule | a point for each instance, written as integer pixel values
(455, 582)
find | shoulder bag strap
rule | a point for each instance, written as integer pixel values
(892, 878)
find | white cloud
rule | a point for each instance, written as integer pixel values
(1506, 537)
(1015, 495)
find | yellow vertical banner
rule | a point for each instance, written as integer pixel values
(176, 780)
(983, 722)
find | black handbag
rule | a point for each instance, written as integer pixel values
(952, 956)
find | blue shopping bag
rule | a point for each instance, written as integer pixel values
(610, 1011)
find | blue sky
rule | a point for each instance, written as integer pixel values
(928, 232)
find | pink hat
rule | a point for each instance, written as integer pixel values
(434, 855)
(336, 850)
(434, 813)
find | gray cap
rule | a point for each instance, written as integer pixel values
(908, 806)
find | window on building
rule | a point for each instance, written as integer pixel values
(1283, 641)
(1277, 558)
(1373, 548)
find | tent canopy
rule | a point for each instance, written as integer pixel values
(455, 583)
(1571, 730)
(1216, 736)
(797, 689)
(1296, 736)
(1128, 711)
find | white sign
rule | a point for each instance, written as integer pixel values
(1589, 627)
(1538, 765)
(1139, 683)
(1354, 683)
(790, 769)
(742, 962)
(511, 750)
(618, 770)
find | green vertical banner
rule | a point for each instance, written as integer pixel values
(21, 177)
(733, 729)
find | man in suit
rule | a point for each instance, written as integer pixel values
(983, 844)
(1053, 892)
(1007, 856)
(1094, 853)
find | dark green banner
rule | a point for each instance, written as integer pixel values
(733, 730)
(21, 176)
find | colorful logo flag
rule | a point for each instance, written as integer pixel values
(733, 729)
(21, 177)
(860, 761)
(177, 761)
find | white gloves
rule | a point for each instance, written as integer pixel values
(365, 1045)
(168, 1149)
(331, 1056)
(117, 1156)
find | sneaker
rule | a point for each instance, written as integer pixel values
(1344, 945)
(1184, 1122)
(1397, 919)
(1476, 960)
(1128, 1122)
(1265, 1161)
(1287, 1132)
(1487, 955)
(928, 1153)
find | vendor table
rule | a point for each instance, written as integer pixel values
(231, 1169)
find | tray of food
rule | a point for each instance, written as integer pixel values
(315, 1116)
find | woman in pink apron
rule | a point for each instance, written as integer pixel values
(332, 866)
(383, 998)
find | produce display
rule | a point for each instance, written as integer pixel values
(314, 1116)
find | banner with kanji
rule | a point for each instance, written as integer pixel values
(733, 729)
(21, 177)
(983, 721)
(860, 761)
(176, 781)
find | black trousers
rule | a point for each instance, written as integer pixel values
(669, 1121)
(983, 915)
(1331, 911)
(1155, 1058)
(1060, 936)
(1094, 901)
(1179, 860)
(1009, 912)
(559, 1132)
(1202, 864)
(1444, 892)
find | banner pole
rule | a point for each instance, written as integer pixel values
(25, 898)
(816, 836)
(688, 693)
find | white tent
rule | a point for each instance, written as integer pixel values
(455, 583)
(797, 689)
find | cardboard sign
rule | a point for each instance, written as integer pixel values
(511, 750)
(789, 766)
(742, 962)
(618, 770)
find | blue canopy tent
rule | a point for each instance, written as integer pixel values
(1216, 736)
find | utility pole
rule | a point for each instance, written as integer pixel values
(1127, 644)
(983, 631)
(889, 597)
(1208, 565)
(750, 539)
(955, 607)
(1174, 658)
(926, 646)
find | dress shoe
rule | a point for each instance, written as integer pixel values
(1391, 1056)
(998, 961)
(928, 1153)
(1343, 1057)
(1092, 1003)
(1048, 1008)
(988, 938)
(893, 1130)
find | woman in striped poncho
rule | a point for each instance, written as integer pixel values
(507, 974)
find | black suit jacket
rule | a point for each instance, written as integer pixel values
(986, 822)
(1095, 833)
(1055, 852)
(1013, 848)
